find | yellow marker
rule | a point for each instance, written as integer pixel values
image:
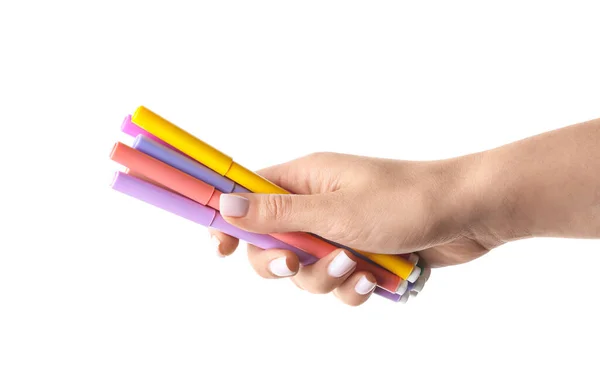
(225, 166)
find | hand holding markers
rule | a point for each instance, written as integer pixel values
(451, 211)
(175, 171)
(364, 203)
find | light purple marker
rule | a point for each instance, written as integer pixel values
(198, 213)
(203, 215)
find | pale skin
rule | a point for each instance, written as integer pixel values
(450, 211)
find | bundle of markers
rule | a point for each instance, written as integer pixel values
(171, 169)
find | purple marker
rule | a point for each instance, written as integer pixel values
(187, 165)
(203, 215)
(198, 213)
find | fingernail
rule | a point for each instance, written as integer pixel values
(233, 206)
(364, 286)
(217, 244)
(279, 267)
(341, 265)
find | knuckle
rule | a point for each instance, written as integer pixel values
(278, 206)
(344, 227)
(320, 156)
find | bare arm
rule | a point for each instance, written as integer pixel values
(543, 186)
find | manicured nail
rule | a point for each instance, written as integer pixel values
(341, 265)
(364, 286)
(233, 206)
(217, 244)
(279, 267)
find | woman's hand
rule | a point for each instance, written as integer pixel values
(369, 204)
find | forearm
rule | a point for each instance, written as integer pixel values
(543, 186)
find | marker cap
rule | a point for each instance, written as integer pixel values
(402, 287)
(404, 297)
(419, 284)
(169, 201)
(164, 174)
(414, 275)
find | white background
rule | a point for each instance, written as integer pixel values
(98, 289)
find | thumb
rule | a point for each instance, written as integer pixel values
(278, 213)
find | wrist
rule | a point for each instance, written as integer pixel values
(463, 202)
(492, 185)
(476, 200)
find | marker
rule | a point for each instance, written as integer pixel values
(165, 175)
(198, 213)
(155, 171)
(225, 166)
(187, 165)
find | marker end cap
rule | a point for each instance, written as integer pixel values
(414, 275)
(404, 298)
(402, 287)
